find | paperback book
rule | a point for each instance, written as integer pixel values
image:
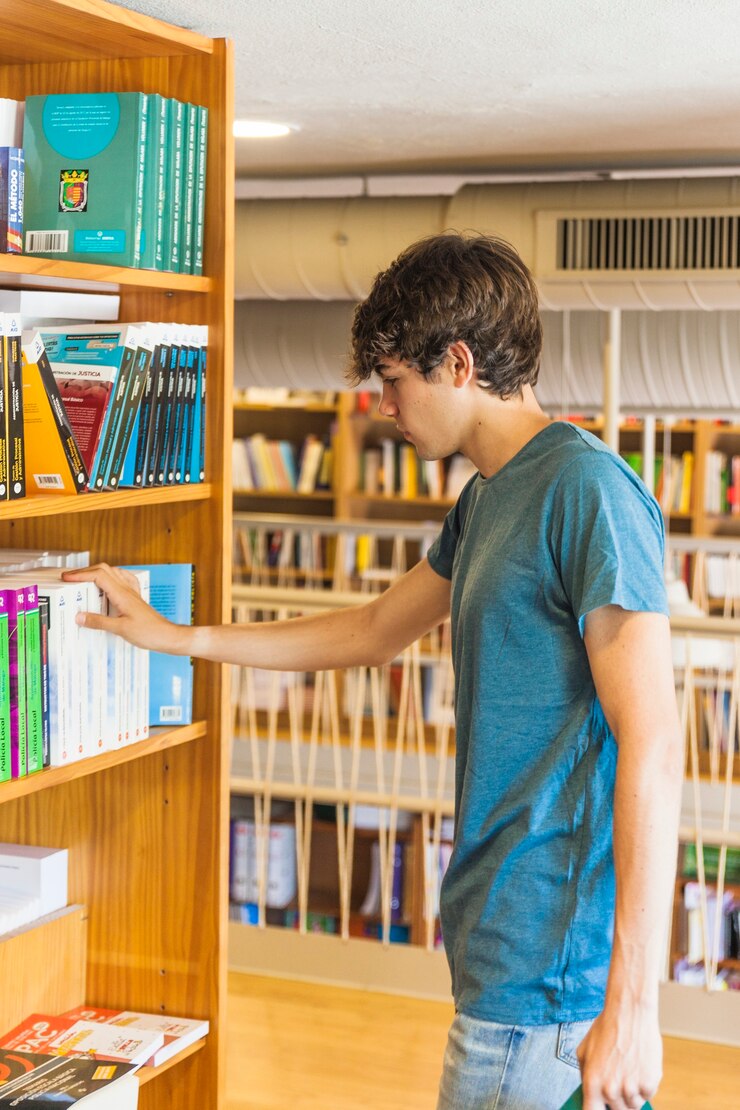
(53, 1082)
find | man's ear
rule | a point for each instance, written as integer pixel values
(462, 363)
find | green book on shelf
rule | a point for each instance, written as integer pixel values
(85, 170)
(575, 1102)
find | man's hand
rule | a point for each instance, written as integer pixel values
(134, 620)
(621, 1059)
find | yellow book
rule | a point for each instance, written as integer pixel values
(53, 460)
(687, 475)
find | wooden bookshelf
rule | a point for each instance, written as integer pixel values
(146, 827)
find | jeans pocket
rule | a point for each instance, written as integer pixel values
(570, 1035)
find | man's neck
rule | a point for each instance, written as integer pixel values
(500, 429)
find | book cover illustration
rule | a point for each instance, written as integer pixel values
(84, 176)
(47, 1082)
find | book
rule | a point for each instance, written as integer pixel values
(14, 604)
(64, 1036)
(151, 200)
(175, 183)
(34, 681)
(39, 307)
(85, 159)
(200, 189)
(187, 207)
(171, 587)
(179, 1033)
(11, 122)
(575, 1102)
(12, 189)
(13, 397)
(92, 366)
(54, 463)
(131, 403)
(51, 1081)
(5, 767)
(161, 259)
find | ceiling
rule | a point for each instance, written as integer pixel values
(450, 86)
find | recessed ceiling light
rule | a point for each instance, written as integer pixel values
(260, 129)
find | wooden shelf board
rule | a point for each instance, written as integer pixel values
(87, 30)
(146, 1075)
(45, 505)
(161, 739)
(281, 494)
(396, 499)
(253, 406)
(28, 270)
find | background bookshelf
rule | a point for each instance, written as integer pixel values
(146, 828)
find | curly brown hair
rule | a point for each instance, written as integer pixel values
(449, 288)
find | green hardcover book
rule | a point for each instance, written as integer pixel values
(161, 259)
(199, 219)
(85, 164)
(187, 206)
(34, 678)
(174, 183)
(4, 693)
(575, 1102)
(155, 111)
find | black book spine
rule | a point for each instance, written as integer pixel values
(72, 452)
(165, 423)
(104, 455)
(202, 459)
(186, 438)
(173, 471)
(159, 396)
(3, 424)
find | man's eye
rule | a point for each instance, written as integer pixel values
(390, 381)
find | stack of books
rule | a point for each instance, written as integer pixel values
(117, 179)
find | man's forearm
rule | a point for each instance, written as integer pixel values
(646, 816)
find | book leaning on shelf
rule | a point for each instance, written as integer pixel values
(116, 178)
(11, 176)
(12, 456)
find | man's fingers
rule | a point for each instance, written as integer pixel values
(96, 622)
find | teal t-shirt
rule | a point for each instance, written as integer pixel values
(527, 903)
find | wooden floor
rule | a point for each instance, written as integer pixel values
(298, 1045)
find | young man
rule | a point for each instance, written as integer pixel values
(568, 748)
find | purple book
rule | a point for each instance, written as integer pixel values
(15, 606)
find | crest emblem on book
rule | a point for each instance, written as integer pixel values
(73, 190)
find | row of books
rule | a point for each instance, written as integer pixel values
(672, 478)
(111, 178)
(68, 692)
(271, 464)
(90, 407)
(722, 483)
(722, 925)
(393, 469)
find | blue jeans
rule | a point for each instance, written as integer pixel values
(488, 1066)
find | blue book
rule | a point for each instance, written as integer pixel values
(11, 199)
(171, 587)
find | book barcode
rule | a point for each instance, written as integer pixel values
(170, 712)
(51, 481)
(48, 242)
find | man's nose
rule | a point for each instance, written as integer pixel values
(386, 407)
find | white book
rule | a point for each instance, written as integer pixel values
(40, 307)
(11, 122)
(110, 1042)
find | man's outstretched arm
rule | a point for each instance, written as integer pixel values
(630, 658)
(368, 634)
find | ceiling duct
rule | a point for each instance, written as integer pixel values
(680, 363)
(663, 244)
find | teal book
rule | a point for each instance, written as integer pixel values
(199, 218)
(575, 1102)
(155, 112)
(187, 206)
(85, 169)
(161, 259)
(174, 184)
(171, 593)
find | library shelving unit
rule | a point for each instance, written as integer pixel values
(146, 827)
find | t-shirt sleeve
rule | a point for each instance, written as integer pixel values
(441, 554)
(608, 539)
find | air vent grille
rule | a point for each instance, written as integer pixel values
(648, 243)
